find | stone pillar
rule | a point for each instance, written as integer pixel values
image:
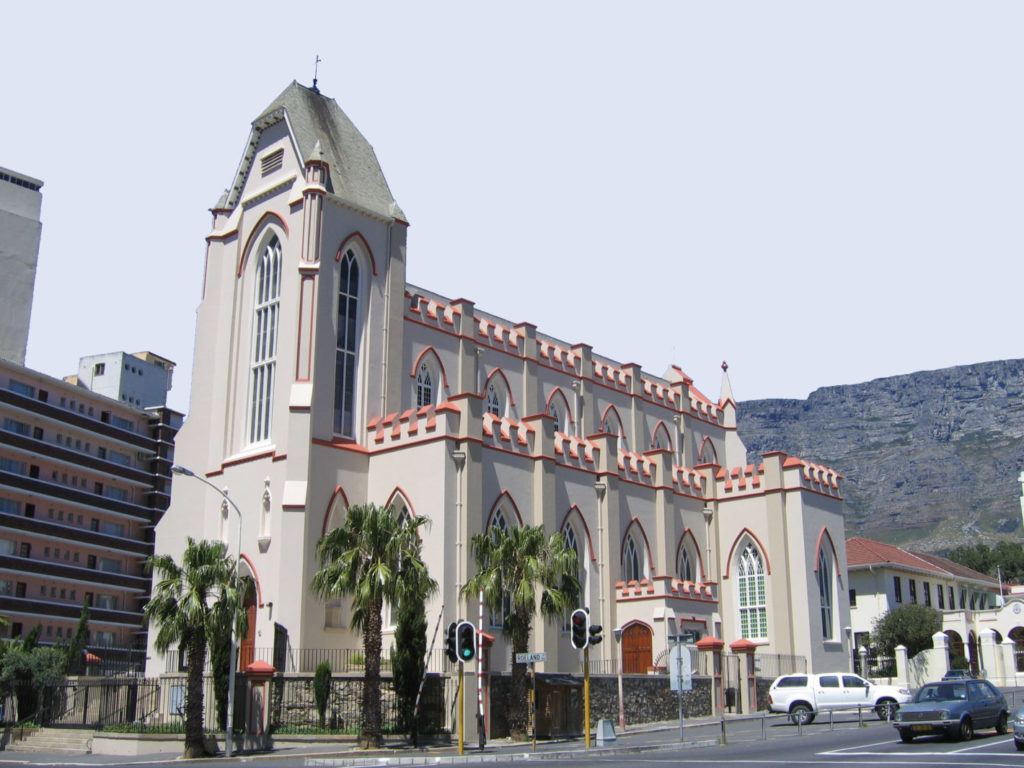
(746, 701)
(902, 665)
(989, 665)
(257, 704)
(1008, 654)
(713, 646)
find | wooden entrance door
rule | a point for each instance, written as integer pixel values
(247, 653)
(637, 644)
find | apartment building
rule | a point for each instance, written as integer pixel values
(84, 478)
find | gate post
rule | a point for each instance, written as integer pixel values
(745, 650)
(714, 646)
(258, 675)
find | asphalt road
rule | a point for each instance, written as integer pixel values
(756, 742)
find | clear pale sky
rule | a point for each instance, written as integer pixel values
(817, 192)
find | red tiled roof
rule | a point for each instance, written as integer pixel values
(962, 571)
(864, 552)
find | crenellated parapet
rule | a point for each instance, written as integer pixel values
(784, 473)
(414, 425)
(813, 476)
(661, 587)
(509, 434)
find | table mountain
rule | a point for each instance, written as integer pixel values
(929, 459)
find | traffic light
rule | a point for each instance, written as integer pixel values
(595, 634)
(465, 641)
(578, 633)
(449, 645)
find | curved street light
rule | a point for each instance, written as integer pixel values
(180, 470)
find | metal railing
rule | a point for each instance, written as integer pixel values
(343, 661)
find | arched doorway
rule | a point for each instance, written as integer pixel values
(972, 647)
(1017, 635)
(247, 652)
(955, 647)
(637, 649)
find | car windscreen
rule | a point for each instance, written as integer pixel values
(942, 692)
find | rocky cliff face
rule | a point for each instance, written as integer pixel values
(931, 458)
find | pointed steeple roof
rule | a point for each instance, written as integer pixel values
(313, 119)
(726, 393)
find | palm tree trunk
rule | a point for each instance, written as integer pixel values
(195, 743)
(371, 727)
(519, 706)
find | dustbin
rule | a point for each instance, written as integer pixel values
(730, 697)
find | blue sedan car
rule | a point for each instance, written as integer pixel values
(953, 708)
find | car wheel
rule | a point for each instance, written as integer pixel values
(1019, 745)
(906, 736)
(1001, 723)
(801, 714)
(886, 709)
(966, 731)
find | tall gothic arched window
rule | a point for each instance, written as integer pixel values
(498, 617)
(753, 600)
(685, 565)
(266, 312)
(424, 386)
(825, 582)
(631, 561)
(494, 402)
(347, 346)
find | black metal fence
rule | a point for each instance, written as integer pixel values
(96, 703)
(306, 660)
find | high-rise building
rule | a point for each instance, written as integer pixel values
(20, 227)
(83, 481)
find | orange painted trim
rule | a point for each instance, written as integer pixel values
(760, 546)
(256, 232)
(494, 508)
(586, 529)
(357, 237)
(338, 492)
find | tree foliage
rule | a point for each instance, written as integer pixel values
(911, 625)
(185, 603)
(513, 567)
(408, 659)
(1007, 557)
(25, 670)
(322, 689)
(375, 556)
(77, 647)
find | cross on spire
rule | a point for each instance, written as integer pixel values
(316, 67)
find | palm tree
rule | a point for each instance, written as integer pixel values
(512, 565)
(375, 556)
(185, 601)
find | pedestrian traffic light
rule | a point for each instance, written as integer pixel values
(578, 631)
(449, 646)
(465, 641)
(595, 634)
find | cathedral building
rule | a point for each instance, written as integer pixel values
(323, 379)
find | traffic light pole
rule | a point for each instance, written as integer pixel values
(586, 694)
(462, 696)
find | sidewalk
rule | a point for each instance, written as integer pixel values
(635, 738)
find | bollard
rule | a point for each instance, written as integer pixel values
(764, 727)
(831, 721)
(800, 726)
(860, 717)
(724, 741)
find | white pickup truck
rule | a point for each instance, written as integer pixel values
(804, 696)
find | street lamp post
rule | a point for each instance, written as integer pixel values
(622, 708)
(180, 470)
